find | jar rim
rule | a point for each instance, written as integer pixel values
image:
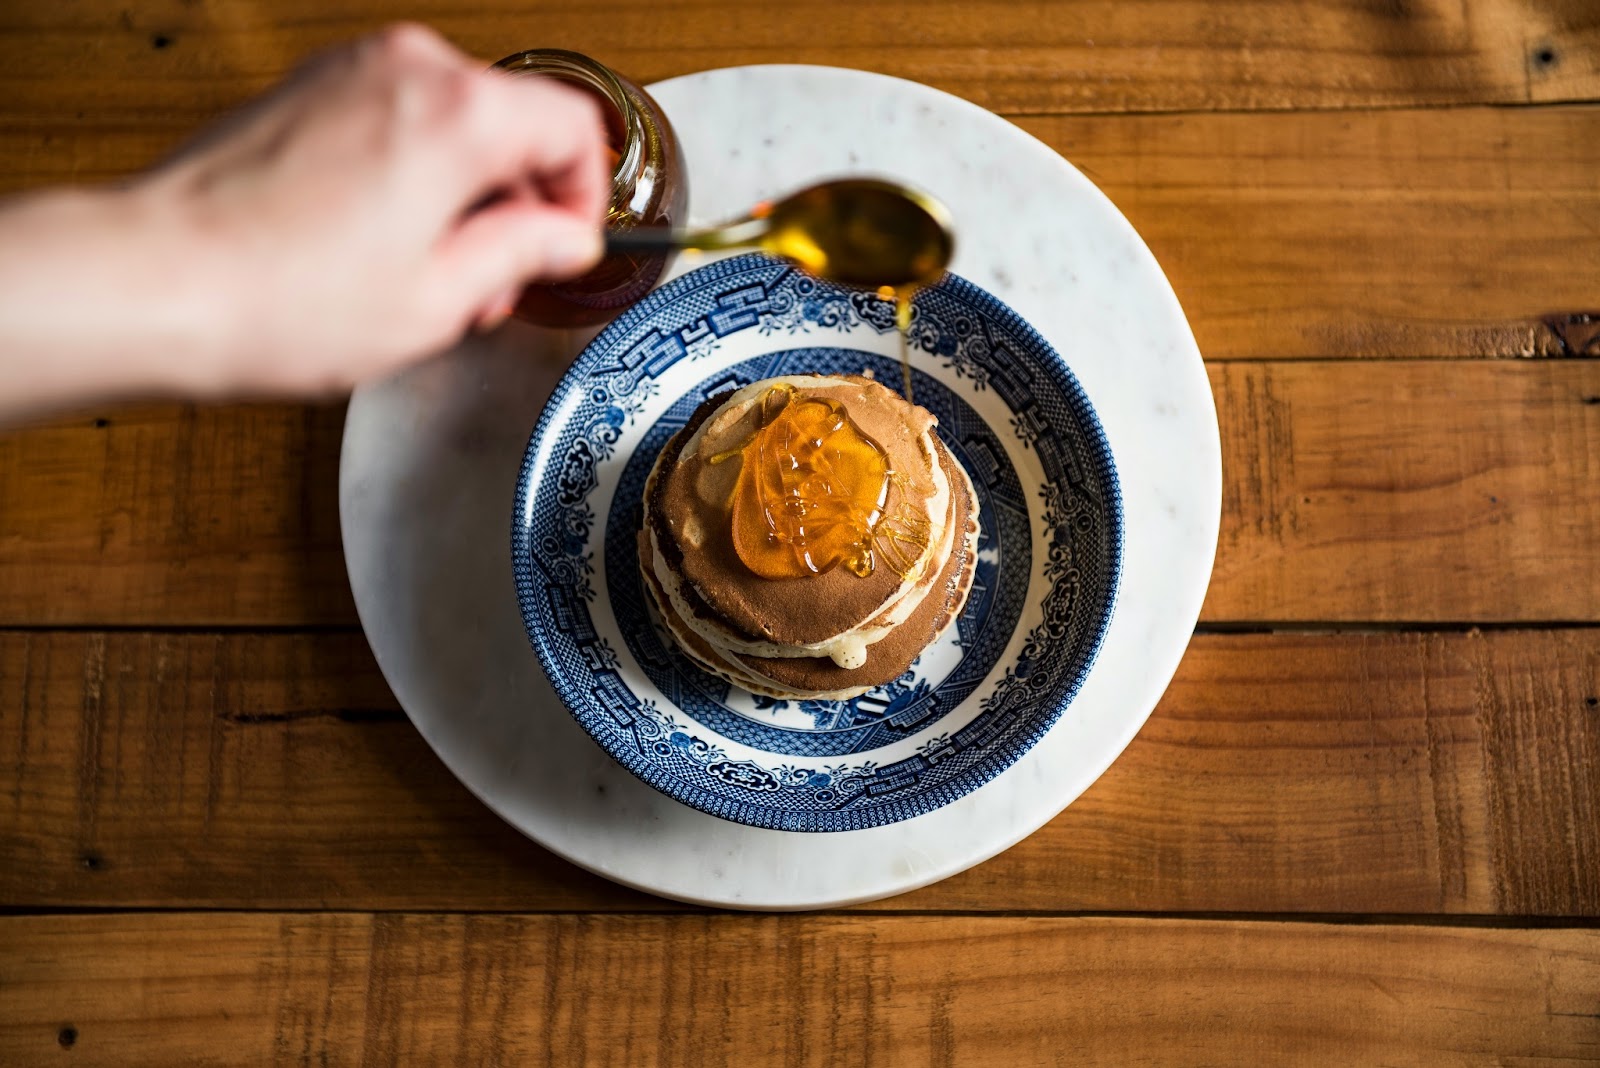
(558, 62)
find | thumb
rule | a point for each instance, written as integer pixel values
(506, 246)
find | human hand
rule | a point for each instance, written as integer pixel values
(390, 195)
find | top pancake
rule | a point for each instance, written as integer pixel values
(890, 658)
(690, 509)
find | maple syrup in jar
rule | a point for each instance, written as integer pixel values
(648, 188)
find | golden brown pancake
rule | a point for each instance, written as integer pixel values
(829, 635)
(691, 507)
(888, 659)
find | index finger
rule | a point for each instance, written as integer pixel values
(531, 130)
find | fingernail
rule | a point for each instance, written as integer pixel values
(572, 250)
(498, 311)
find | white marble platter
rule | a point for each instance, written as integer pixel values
(431, 458)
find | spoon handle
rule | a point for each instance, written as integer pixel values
(745, 233)
(644, 239)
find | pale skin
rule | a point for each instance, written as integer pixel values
(388, 198)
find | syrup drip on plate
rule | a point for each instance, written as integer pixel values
(814, 492)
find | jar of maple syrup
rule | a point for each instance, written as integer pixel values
(648, 188)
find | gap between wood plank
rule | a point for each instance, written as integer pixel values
(1447, 105)
(158, 123)
(673, 908)
(1224, 628)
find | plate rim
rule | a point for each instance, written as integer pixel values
(1047, 710)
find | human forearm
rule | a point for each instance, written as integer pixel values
(102, 296)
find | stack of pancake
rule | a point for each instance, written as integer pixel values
(808, 537)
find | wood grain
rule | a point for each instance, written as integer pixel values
(1428, 492)
(1400, 233)
(1445, 773)
(93, 511)
(1440, 232)
(735, 990)
(177, 61)
(1400, 491)
(1388, 774)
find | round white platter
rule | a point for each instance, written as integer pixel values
(430, 463)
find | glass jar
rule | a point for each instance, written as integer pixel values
(648, 188)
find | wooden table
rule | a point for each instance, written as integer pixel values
(1363, 827)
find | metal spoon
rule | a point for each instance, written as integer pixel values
(859, 232)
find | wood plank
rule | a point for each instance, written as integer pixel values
(1399, 233)
(177, 60)
(1443, 232)
(1398, 774)
(175, 514)
(145, 767)
(1400, 491)
(1408, 491)
(734, 990)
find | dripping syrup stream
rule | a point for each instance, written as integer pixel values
(902, 297)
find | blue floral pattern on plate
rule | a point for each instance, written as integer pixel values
(797, 765)
(905, 707)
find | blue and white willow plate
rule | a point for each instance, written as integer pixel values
(1048, 565)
